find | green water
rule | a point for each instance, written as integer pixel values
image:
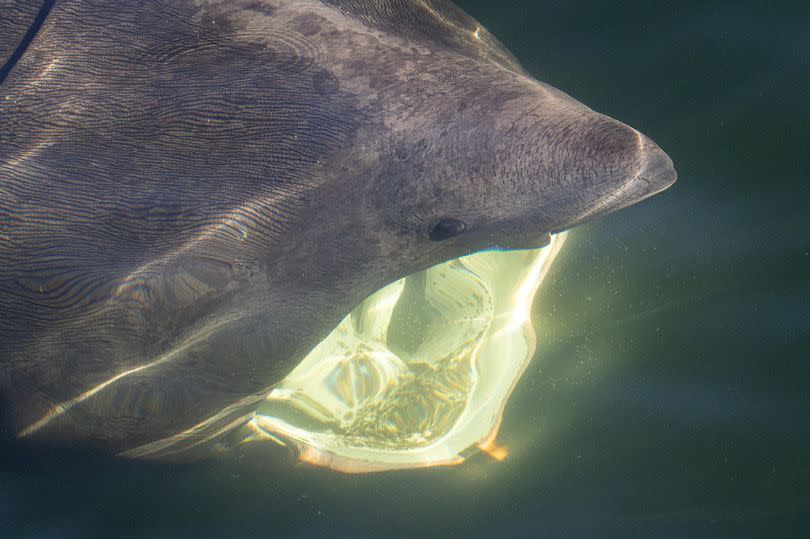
(669, 397)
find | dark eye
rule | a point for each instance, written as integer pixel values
(446, 228)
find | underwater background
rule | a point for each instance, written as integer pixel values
(670, 394)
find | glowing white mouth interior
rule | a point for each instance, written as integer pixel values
(419, 372)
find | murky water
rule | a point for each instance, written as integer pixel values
(669, 393)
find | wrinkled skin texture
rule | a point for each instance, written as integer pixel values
(194, 193)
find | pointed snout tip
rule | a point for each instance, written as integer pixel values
(658, 171)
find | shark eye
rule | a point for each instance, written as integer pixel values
(446, 228)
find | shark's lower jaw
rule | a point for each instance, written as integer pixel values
(419, 374)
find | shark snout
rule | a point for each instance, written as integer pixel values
(657, 171)
(649, 171)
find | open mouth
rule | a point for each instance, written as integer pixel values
(417, 375)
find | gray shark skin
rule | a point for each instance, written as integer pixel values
(193, 193)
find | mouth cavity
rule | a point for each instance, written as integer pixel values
(419, 374)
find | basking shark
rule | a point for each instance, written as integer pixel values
(194, 193)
